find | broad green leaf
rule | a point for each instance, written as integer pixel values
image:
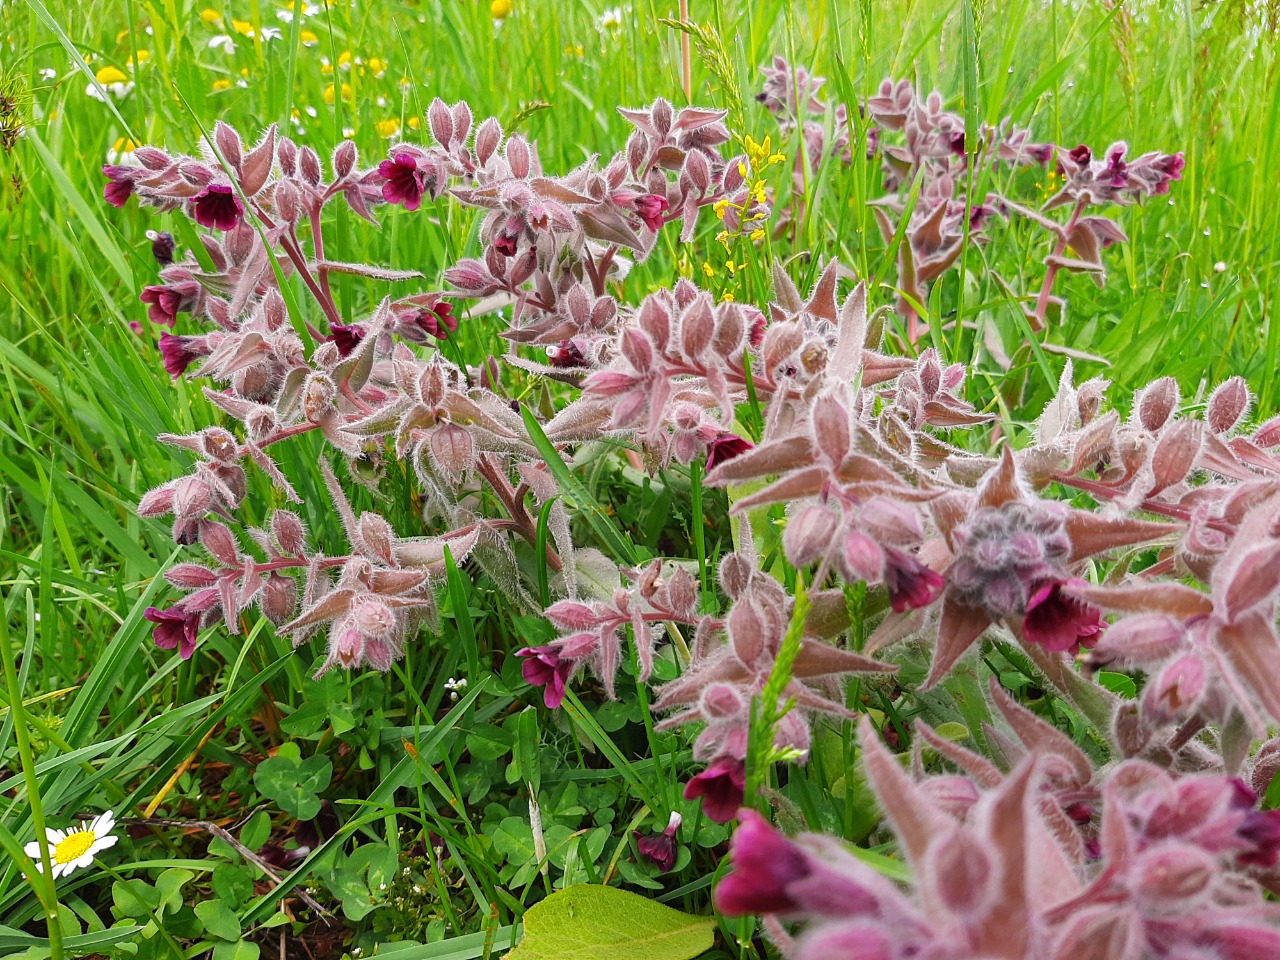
(590, 922)
(219, 920)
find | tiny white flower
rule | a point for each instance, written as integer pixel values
(72, 849)
(271, 33)
(1219, 267)
(48, 73)
(223, 41)
(611, 19)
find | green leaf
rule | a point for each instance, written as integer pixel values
(294, 784)
(219, 920)
(1118, 683)
(240, 950)
(589, 922)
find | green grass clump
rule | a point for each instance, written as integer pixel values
(431, 780)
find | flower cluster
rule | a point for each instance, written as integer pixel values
(926, 150)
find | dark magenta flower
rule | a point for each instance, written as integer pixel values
(566, 354)
(956, 142)
(1117, 171)
(175, 627)
(651, 207)
(1260, 831)
(180, 352)
(506, 242)
(405, 181)
(765, 863)
(1170, 168)
(910, 583)
(165, 301)
(218, 206)
(1058, 622)
(721, 788)
(726, 447)
(437, 321)
(660, 848)
(544, 667)
(1081, 155)
(119, 187)
(347, 338)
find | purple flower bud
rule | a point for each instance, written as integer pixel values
(175, 627)
(1081, 155)
(404, 180)
(566, 354)
(721, 787)
(120, 184)
(726, 447)
(543, 667)
(217, 206)
(1058, 622)
(764, 864)
(162, 246)
(660, 848)
(346, 337)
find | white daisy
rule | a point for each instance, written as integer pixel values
(71, 849)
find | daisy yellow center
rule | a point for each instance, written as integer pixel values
(74, 846)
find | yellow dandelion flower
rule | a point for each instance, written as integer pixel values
(501, 9)
(108, 75)
(222, 83)
(308, 38)
(387, 128)
(210, 16)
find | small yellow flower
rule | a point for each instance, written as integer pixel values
(124, 145)
(142, 56)
(71, 849)
(575, 50)
(242, 27)
(330, 94)
(727, 296)
(308, 38)
(387, 128)
(742, 170)
(344, 60)
(108, 75)
(721, 206)
(757, 234)
(501, 9)
(414, 123)
(378, 66)
(708, 269)
(222, 83)
(244, 72)
(210, 16)
(326, 69)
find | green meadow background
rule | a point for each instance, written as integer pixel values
(82, 395)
